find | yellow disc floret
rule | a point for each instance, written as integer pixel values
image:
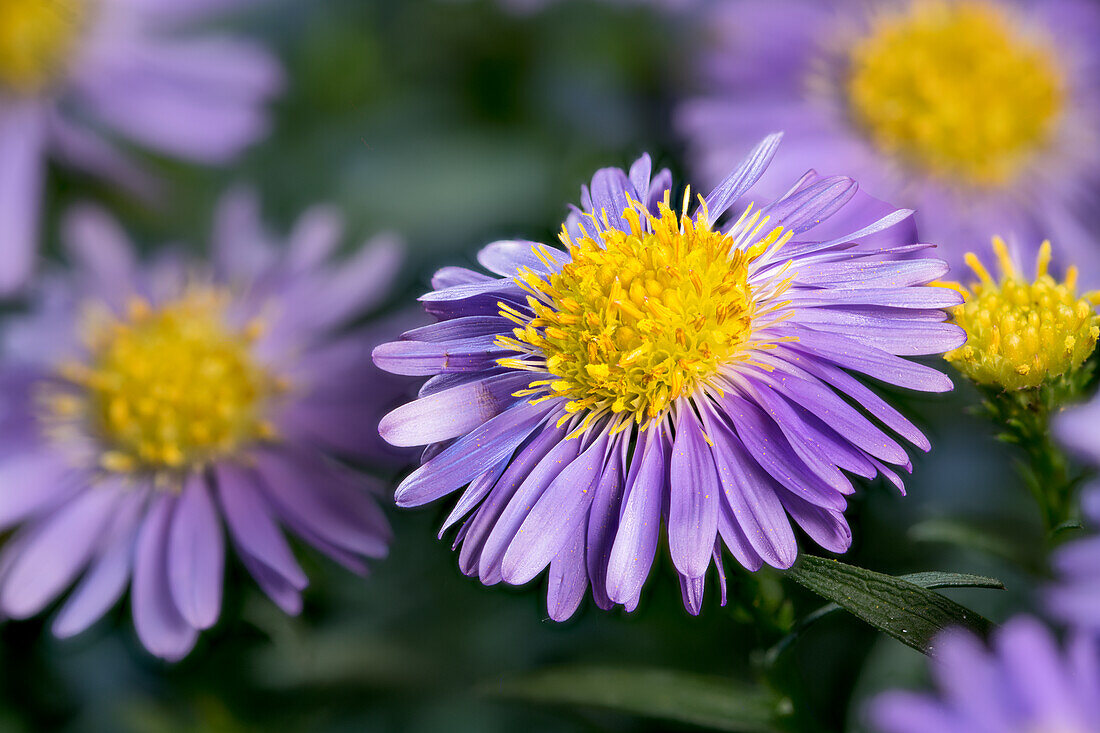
(169, 387)
(1021, 332)
(952, 89)
(635, 320)
(36, 40)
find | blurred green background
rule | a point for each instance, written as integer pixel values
(456, 123)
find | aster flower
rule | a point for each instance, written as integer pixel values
(662, 369)
(143, 406)
(983, 115)
(1023, 332)
(1074, 595)
(1023, 684)
(78, 75)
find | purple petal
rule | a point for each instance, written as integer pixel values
(312, 497)
(520, 506)
(640, 523)
(253, 529)
(609, 196)
(196, 555)
(851, 354)
(460, 328)
(812, 205)
(555, 516)
(692, 591)
(743, 178)
(768, 447)
(825, 527)
(507, 257)
(568, 578)
(471, 455)
(57, 550)
(101, 248)
(603, 517)
(106, 579)
(478, 489)
(22, 143)
(422, 359)
(751, 497)
(693, 505)
(161, 628)
(867, 399)
(453, 412)
(640, 171)
(481, 524)
(314, 238)
(275, 585)
(31, 482)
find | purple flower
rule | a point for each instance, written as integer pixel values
(1074, 597)
(983, 115)
(1024, 684)
(662, 369)
(143, 406)
(77, 76)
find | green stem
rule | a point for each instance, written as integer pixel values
(1025, 417)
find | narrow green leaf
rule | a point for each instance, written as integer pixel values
(904, 609)
(707, 701)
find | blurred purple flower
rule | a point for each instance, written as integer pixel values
(76, 76)
(1024, 684)
(1074, 597)
(142, 406)
(660, 370)
(983, 115)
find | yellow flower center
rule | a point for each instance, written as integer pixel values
(953, 90)
(36, 40)
(1021, 333)
(638, 319)
(169, 388)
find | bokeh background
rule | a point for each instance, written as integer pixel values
(456, 123)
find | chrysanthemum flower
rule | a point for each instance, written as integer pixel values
(143, 406)
(1023, 332)
(983, 115)
(1024, 684)
(661, 369)
(76, 75)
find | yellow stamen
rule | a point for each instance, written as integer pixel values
(955, 90)
(663, 309)
(1021, 333)
(168, 387)
(36, 41)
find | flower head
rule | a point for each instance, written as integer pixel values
(73, 70)
(1025, 683)
(980, 114)
(145, 405)
(1022, 332)
(662, 369)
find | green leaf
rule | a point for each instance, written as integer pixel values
(710, 702)
(898, 606)
(929, 579)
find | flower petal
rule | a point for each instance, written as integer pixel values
(160, 626)
(196, 555)
(695, 491)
